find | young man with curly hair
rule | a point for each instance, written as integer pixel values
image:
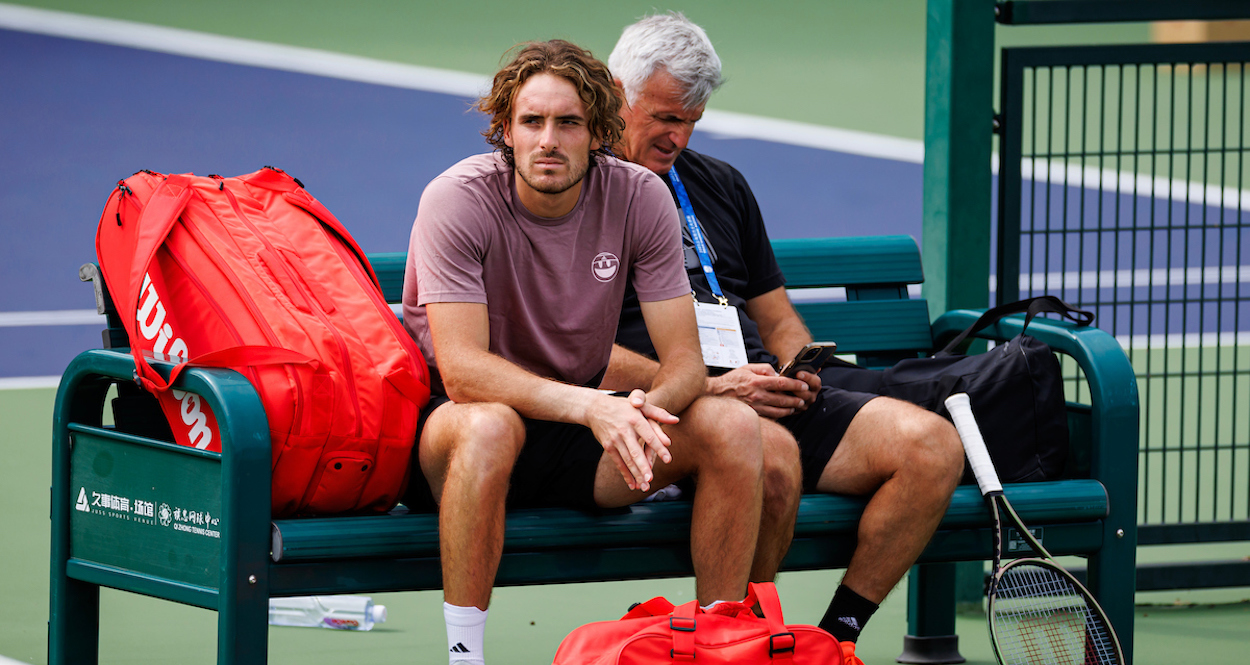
(514, 286)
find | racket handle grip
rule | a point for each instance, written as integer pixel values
(960, 409)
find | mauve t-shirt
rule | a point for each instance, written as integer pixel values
(553, 287)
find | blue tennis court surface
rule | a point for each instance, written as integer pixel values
(79, 116)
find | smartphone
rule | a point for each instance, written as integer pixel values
(810, 358)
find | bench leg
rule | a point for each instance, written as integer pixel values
(931, 616)
(73, 621)
(1113, 580)
(74, 605)
(243, 631)
(243, 599)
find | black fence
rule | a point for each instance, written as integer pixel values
(1123, 188)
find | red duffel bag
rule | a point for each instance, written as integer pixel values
(657, 632)
(254, 274)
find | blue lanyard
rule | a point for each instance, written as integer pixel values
(696, 235)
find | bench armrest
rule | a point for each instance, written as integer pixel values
(1112, 382)
(245, 458)
(1114, 437)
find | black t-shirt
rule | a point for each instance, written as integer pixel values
(742, 256)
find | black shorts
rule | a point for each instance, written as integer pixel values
(556, 467)
(820, 428)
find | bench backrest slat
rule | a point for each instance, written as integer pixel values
(849, 262)
(869, 326)
(875, 318)
(389, 267)
(862, 264)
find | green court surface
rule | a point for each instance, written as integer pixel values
(850, 64)
(526, 623)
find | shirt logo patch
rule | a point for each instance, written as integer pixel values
(605, 266)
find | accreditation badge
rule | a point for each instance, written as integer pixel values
(720, 335)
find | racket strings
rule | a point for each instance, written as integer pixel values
(1040, 617)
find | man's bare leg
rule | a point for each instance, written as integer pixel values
(783, 487)
(467, 453)
(910, 461)
(717, 442)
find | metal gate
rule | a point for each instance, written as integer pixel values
(1123, 188)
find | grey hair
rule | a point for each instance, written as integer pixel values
(670, 42)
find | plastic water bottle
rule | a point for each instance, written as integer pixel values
(336, 612)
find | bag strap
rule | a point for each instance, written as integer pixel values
(682, 625)
(656, 607)
(1031, 306)
(156, 221)
(235, 356)
(780, 638)
(418, 393)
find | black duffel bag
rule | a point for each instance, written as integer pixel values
(1016, 390)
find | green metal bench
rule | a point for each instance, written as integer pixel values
(139, 514)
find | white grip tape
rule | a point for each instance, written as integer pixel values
(974, 445)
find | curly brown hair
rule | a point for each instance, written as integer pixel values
(573, 63)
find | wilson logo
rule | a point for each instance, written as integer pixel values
(152, 323)
(194, 417)
(155, 329)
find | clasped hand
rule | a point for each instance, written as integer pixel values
(629, 431)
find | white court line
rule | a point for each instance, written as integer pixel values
(1187, 341)
(26, 383)
(728, 124)
(1159, 277)
(1159, 188)
(10, 661)
(61, 317)
(238, 51)
(368, 70)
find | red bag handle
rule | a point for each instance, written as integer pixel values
(780, 639)
(235, 356)
(656, 607)
(155, 223)
(682, 625)
(419, 393)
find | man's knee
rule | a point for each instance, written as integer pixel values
(930, 444)
(721, 430)
(479, 442)
(783, 473)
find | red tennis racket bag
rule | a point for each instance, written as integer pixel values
(254, 274)
(657, 632)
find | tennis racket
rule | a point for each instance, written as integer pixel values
(1038, 613)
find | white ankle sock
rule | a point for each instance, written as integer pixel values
(714, 603)
(466, 632)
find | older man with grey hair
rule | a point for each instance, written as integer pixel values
(906, 459)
